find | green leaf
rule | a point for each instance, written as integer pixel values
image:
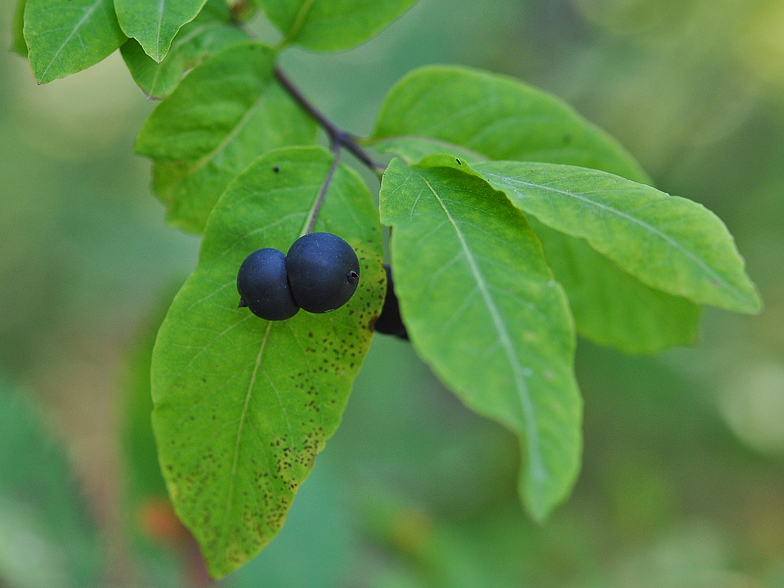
(18, 44)
(669, 243)
(222, 116)
(207, 34)
(450, 109)
(154, 23)
(482, 308)
(242, 405)
(67, 36)
(332, 25)
(609, 306)
(479, 116)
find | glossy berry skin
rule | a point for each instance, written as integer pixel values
(323, 272)
(389, 322)
(264, 287)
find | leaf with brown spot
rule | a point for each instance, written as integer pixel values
(275, 398)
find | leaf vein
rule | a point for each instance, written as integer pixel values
(635, 221)
(235, 460)
(82, 20)
(537, 467)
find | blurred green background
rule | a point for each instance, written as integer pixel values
(683, 478)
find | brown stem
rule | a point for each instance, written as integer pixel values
(337, 136)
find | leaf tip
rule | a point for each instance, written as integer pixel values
(538, 508)
(751, 303)
(538, 503)
(757, 306)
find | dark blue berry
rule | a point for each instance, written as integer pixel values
(389, 322)
(264, 286)
(323, 272)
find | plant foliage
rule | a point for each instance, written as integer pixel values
(515, 225)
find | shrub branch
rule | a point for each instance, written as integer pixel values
(338, 138)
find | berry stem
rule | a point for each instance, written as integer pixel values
(313, 214)
(337, 136)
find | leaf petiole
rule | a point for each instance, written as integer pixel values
(313, 214)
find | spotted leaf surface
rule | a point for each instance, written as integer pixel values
(482, 308)
(243, 405)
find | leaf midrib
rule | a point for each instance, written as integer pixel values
(672, 242)
(537, 468)
(299, 20)
(79, 24)
(232, 134)
(178, 42)
(243, 416)
(161, 10)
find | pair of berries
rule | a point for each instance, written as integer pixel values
(319, 274)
